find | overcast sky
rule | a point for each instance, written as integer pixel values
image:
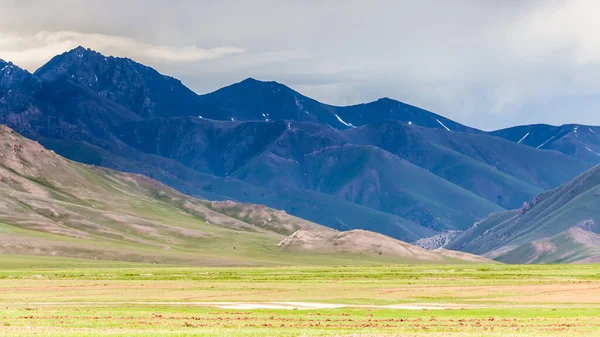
(485, 63)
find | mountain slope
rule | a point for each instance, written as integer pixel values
(52, 206)
(497, 170)
(578, 141)
(550, 217)
(281, 156)
(329, 210)
(575, 245)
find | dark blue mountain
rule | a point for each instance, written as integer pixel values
(150, 94)
(13, 76)
(389, 109)
(578, 141)
(137, 87)
(253, 100)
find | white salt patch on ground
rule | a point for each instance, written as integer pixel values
(274, 305)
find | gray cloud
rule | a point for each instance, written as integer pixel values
(488, 64)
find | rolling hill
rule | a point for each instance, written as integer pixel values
(560, 225)
(55, 207)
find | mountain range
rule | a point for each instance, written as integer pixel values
(383, 166)
(51, 206)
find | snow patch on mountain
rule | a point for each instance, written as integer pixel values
(522, 139)
(343, 122)
(590, 150)
(544, 143)
(442, 124)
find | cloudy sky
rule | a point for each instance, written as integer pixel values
(485, 63)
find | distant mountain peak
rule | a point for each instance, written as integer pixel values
(13, 77)
(70, 62)
(5, 64)
(80, 50)
(254, 81)
(135, 86)
(253, 86)
(384, 101)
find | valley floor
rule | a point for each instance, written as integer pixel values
(83, 298)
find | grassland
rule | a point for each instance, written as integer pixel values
(79, 298)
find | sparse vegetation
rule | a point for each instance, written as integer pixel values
(83, 298)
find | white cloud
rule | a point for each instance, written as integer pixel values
(32, 50)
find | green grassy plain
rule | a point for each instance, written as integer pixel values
(83, 298)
